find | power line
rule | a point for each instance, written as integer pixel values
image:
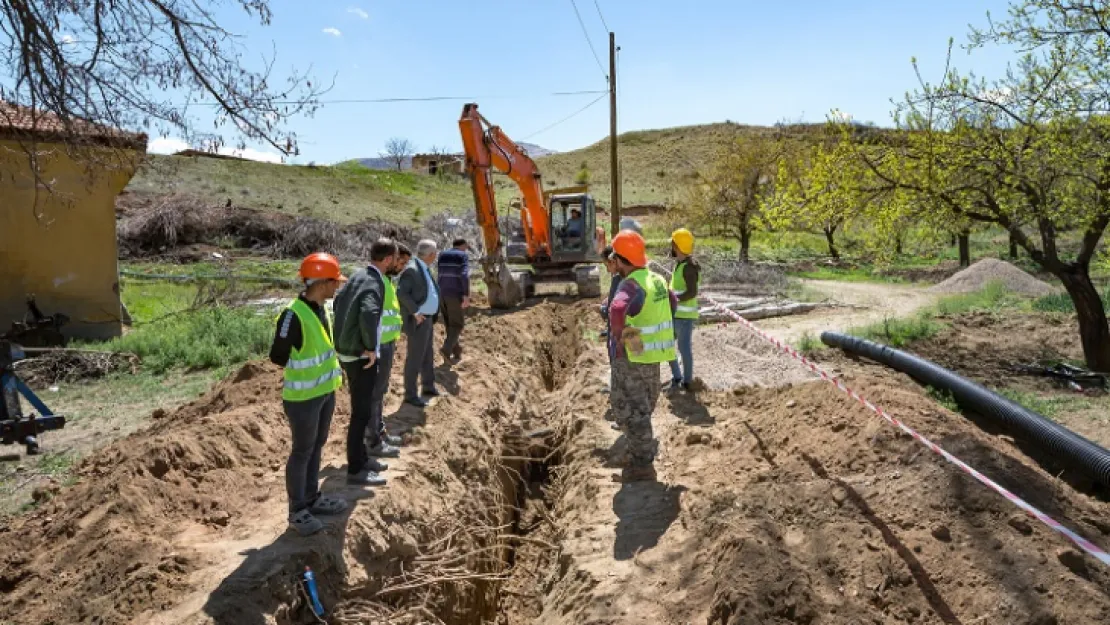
(598, 6)
(565, 119)
(588, 41)
(444, 98)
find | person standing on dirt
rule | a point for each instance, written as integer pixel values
(641, 337)
(380, 444)
(627, 223)
(684, 283)
(359, 312)
(454, 286)
(303, 347)
(418, 293)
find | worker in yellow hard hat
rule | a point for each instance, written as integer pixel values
(303, 345)
(684, 282)
(641, 337)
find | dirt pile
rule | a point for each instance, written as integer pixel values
(989, 270)
(155, 517)
(728, 356)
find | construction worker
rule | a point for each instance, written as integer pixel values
(627, 223)
(454, 289)
(303, 346)
(641, 336)
(359, 310)
(391, 331)
(684, 283)
(378, 441)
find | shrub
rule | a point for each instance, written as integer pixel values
(201, 339)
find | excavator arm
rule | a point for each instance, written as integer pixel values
(486, 147)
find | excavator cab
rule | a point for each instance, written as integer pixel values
(573, 219)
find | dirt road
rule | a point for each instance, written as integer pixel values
(778, 502)
(865, 303)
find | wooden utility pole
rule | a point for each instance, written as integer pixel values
(614, 173)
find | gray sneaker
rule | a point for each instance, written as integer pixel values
(304, 523)
(384, 450)
(365, 478)
(390, 439)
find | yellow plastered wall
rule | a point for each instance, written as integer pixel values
(59, 244)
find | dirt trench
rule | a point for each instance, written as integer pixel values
(182, 522)
(779, 502)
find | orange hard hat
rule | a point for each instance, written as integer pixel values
(629, 245)
(321, 266)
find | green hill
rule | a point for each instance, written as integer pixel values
(656, 165)
(346, 192)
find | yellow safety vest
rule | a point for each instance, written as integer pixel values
(687, 308)
(391, 313)
(655, 325)
(313, 370)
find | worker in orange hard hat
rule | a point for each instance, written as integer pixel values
(303, 346)
(641, 337)
(684, 283)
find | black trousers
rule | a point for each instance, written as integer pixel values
(361, 382)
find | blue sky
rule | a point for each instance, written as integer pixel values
(691, 62)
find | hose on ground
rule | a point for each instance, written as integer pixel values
(1066, 447)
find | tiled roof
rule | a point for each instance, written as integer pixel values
(20, 122)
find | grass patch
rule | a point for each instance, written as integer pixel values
(1047, 406)
(944, 398)
(863, 273)
(1061, 302)
(899, 332)
(993, 297)
(201, 339)
(809, 344)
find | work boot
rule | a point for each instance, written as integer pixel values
(384, 450)
(636, 474)
(365, 478)
(304, 523)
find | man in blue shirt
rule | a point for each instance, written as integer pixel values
(418, 295)
(575, 224)
(454, 289)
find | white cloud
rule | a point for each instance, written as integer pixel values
(166, 145)
(359, 13)
(169, 145)
(67, 40)
(334, 32)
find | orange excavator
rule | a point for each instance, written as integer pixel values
(558, 240)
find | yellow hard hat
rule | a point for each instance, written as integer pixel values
(683, 239)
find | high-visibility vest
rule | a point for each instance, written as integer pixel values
(313, 370)
(391, 313)
(687, 308)
(655, 325)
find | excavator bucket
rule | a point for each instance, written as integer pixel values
(504, 291)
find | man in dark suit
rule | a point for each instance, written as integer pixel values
(358, 332)
(418, 294)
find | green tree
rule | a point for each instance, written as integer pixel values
(1026, 152)
(730, 194)
(810, 194)
(583, 175)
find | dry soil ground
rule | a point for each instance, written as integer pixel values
(779, 501)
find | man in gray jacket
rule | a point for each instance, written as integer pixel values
(358, 315)
(418, 294)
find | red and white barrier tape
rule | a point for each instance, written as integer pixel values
(1081, 542)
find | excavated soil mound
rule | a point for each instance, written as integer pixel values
(180, 520)
(989, 270)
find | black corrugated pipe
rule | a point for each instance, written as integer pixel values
(1065, 446)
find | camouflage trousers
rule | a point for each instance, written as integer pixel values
(633, 394)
